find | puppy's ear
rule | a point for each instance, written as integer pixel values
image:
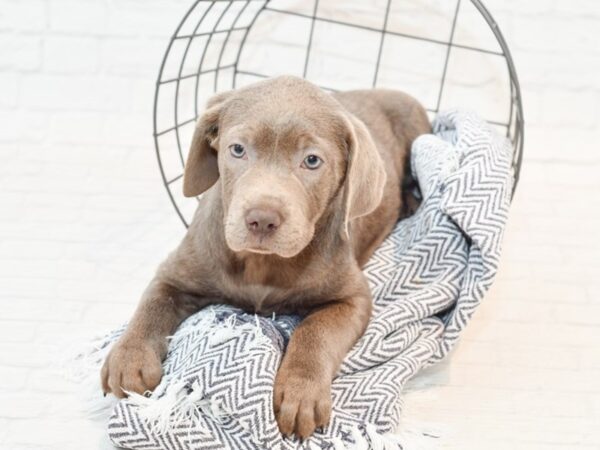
(201, 169)
(365, 173)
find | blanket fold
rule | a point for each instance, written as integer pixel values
(427, 279)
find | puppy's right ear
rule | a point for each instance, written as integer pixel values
(201, 169)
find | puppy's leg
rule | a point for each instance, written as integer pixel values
(302, 392)
(134, 363)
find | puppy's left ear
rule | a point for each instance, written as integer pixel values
(365, 173)
(201, 169)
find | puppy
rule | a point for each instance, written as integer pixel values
(299, 188)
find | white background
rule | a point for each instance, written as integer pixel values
(84, 221)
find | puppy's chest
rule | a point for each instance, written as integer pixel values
(260, 299)
(268, 291)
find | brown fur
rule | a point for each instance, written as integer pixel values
(333, 218)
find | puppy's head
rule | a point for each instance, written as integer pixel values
(284, 151)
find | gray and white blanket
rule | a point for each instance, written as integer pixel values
(427, 279)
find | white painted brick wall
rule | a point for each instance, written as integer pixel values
(84, 221)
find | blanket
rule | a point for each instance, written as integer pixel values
(427, 279)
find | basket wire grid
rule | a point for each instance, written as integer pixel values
(206, 54)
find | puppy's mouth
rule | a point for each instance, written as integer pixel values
(259, 244)
(247, 242)
(259, 250)
(264, 245)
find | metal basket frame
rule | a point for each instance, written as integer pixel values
(514, 124)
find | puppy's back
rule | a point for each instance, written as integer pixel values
(385, 110)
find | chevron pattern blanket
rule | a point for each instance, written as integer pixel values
(427, 279)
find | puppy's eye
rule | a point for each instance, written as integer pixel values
(312, 162)
(237, 150)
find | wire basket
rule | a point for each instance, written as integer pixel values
(445, 53)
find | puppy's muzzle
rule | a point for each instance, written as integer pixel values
(262, 222)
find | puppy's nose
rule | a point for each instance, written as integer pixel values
(262, 220)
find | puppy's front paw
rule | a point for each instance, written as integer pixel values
(301, 403)
(132, 365)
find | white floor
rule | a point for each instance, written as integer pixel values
(84, 221)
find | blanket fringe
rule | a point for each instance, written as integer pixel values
(81, 364)
(181, 403)
(368, 438)
(229, 329)
(405, 439)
